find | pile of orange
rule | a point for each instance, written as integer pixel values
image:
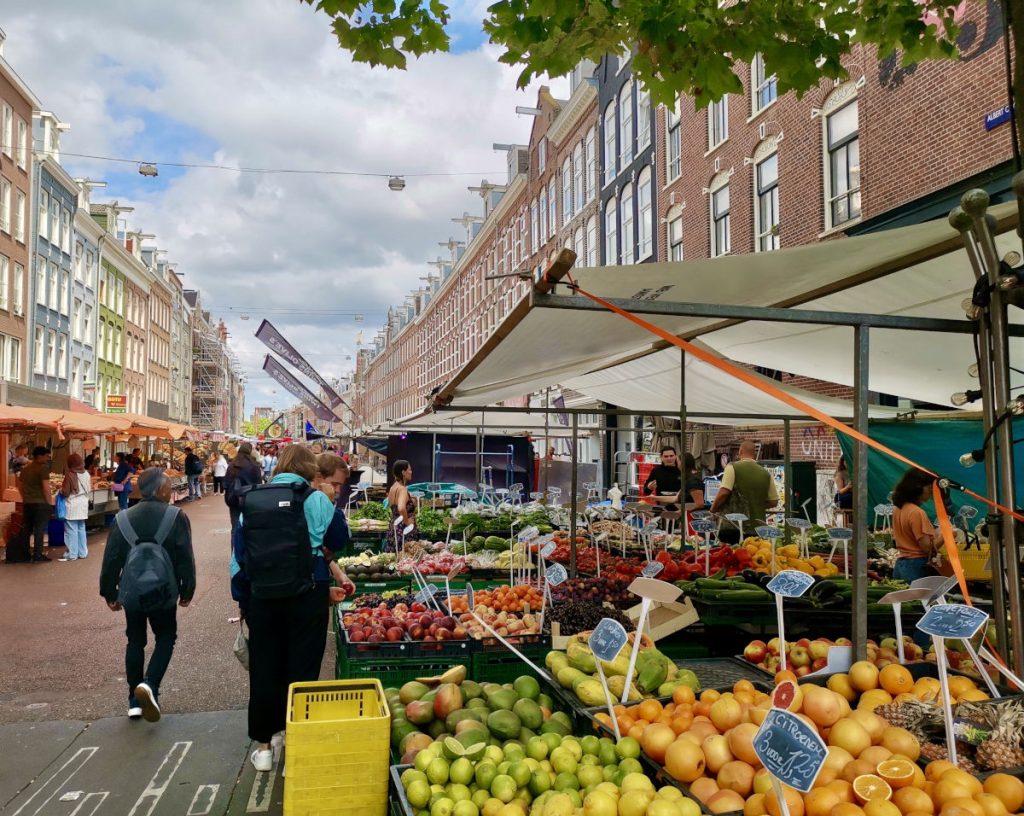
(865, 684)
(509, 599)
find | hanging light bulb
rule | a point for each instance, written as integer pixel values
(972, 371)
(964, 397)
(396, 183)
(971, 458)
(971, 309)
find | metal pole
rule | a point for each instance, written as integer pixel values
(787, 468)
(682, 428)
(478, 459)
(433, 458)
(974, 203)
(860, 493)
(572, 497)
(545, 463)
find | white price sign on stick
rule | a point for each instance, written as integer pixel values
(606, 641)
(787, 584)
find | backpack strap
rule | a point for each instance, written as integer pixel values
(126, 529)
(164, 530)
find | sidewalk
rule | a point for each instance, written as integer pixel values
(63, 697)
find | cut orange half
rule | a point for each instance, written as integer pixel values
(869, 786)
(899, 773)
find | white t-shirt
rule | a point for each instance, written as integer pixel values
(220, 467)
(269, 463)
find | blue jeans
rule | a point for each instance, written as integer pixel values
(122, 497)
(74, 538)
(195, 490)
(910, 569)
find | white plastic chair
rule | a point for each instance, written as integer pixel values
(362, 487)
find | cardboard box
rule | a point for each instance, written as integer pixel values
(665, 618)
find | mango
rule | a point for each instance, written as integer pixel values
(447, 700)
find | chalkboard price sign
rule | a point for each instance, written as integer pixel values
(425, 594)
(770, 533)
(952, 621)
(790, 583)
(704, 526)
(527, 534)
(790, 749)
(652, 568)
(798, 523)
(548, 549)
(470, 601)
(555, 574)
(736, 517)
(840, 534)
(607, 639)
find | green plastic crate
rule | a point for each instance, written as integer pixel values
(503, 666)
(391, 673)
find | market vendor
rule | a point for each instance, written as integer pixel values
(666, 478)
(912, 530)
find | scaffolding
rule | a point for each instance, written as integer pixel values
(211, 391)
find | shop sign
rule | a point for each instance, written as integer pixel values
(116, 404)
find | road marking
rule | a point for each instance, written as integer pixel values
(193, 809)
(85, 753)
(263, 788)
(147, 802)
(102, 796)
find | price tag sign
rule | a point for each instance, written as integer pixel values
(652, 568)
(704, 526)
(770, 533)
(840, 534)
(425, 594)
(940, 590)
(736, 517)
(952, 621)
(555, 574)
(790, 583)
(790, 749)
(607, 639)
(470, 602)
(799, 523)
(455, 571)
(527, 534)
(548, 549)
(600, 537)
(408, 529)
(652, 527)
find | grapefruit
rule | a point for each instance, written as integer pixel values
(870, 786)
(741, 743)
(850, 734)
(1009, 789)
(684, 761)
(896, 679)
(901, 741)
(864, 676)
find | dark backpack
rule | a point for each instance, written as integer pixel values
(237, 482)
(148, 582)
(194, 466)
(279, 560)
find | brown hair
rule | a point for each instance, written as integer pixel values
(298, 460)
(330, 463)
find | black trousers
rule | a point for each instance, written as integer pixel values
(287, 637)
(165, 632)
(37, 515)
(218, 484)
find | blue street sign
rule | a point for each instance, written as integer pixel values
(952, 621)
(607, 639)
(790, 749)
(997, 117)
(790, 583)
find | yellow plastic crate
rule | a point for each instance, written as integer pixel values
(337, 749)
(976, 563)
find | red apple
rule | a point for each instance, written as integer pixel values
(774, 646)
(755, 651)
(802, 671)
(417, 607)
(799, 656)
(819, 649)
(356, 636)
(395, 633)
(804, 642)
(843, 642)
(458, 633)
(819, 664)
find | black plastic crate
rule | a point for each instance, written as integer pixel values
(723, 672)
(457, 650)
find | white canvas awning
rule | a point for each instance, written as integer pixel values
(919, 271)
(491, 423)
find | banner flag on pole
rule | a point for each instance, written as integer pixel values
(274, 340)
(307, 397)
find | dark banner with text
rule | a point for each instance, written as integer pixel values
(308, 398)
(274, 340)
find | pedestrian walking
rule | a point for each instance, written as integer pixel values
(122, 483)
(242, 473)
(280, 576)
(148, 570)
(194, 471)
(220, 470)
(268, 463)
(38, 497)
(76, 490)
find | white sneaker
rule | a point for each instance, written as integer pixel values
(262, 760)
(147, 699)
(135, 712)
(277, 742)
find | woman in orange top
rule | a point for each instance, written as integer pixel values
(916, 538)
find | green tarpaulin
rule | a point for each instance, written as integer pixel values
(936, 445)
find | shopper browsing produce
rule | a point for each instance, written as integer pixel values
(747, 488)
(916, 538)
(401, 504)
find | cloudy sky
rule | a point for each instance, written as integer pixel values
(262, 83)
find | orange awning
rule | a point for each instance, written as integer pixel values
(63, 422)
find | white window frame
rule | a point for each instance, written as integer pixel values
(611, 231)
(577, 179)
(627, 142)
(645, 213)
(51, 353)
(39, 352)
(542, 156)
(674, 140)
(65, 230)
(19, 216)
(87, 313)
(842, 146)
(8, 134)
(18, 307)
(764, 90)
(579, 246)
(44, 214)
(590, 149)
(718, 122)
(593, 243)
(41, 287)
(5, 206)
(721, 240)
(766, 206)
(53, 287)
(5, 282)
(611, 155)
(54, 236)
(13, 366)
(627, 245)
(22, 144)
(552, 208)
(643, 118)
(567, 200)
(65, 291)
(76, 319)
(675, 238)
(542, 205)
(62, 356)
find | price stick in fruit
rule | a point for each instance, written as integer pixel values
(843, 535)
(648, 590)
(606, 641)
(705, 527)
(792, 751)
(897, 599)
(651, 569)
(448, 586)
(772, 534)
(787, 584)
(505, 643)
(959, 622)
(803, 525)
(553, 576)
(598, 539)
(544, 552)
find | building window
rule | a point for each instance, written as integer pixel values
(577, 178)
(22, 145)
(65, 231)
(578, 246)
(552, 209)
(675, 239)
(87, 324)
(592, 241)
(8, 146)
(5, 274)
(13, 359)
(19, 289)
(763, 89)
(78, 260)
(720, 239)
(843, 172)
(611, 243)
(610, 151)
(62, 356)
(76, 320)
(541, 156)
(626, 142)
(65, 291)
(76, 378)
(39, 359)
(566, 191)
(718, 122)
(590, 148)
(54, 221)
(51, 353)
(766, 213)
(5, 205)
(90, 270)
(54, 299)
(675, 142)
(645, 213)
(87, 373)
(542, 204)
(44, 214)
(626, 243)
(643, 118)
(19, 217)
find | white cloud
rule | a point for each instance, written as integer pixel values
(262, 83)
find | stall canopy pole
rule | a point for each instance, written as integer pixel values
(545, 462)
(787, 469)
(682, 426)
(860, 495)
(572, 495)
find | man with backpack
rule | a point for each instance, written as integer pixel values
(242, 474)
(148, 570)
(194, 473)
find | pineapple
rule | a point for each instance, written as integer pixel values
(996, 755)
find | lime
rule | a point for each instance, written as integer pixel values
(563, 761)
(418, 793)
(504, 766)
(599, 803)
(491, 806)
(503, 787)
(537, 748)
(466, 808)
(636, 781)
(461, 771)
(590, 775)
(591, 745)
(480, 798)
(409, 775)
(521, 773)
(452, 748)
(607, 754)
(442, 807)
(566, 781)
(485, 773)
(590, 759)
(609, 772)
(494, 754)
(437, 772)
(527, 687)
(458, 793)
(540, 781)
(560, 804)
(628, 748)
(573, 746)
(631, 766)
(532, 764)
(514, 752)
